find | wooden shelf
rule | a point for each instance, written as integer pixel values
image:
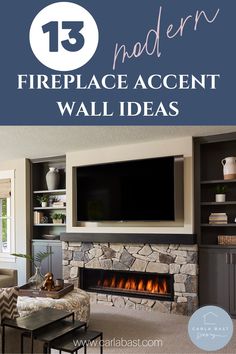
(53, 191)
(51, 224)
(217, 203)
(202, 245)
(218, 225)
(43, 240)
(129, 235)
(219, 181)
(50, 208)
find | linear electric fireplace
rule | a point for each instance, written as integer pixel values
(126, 283)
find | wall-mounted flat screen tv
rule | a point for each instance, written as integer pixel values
(138, 190)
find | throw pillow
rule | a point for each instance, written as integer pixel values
(8, 303)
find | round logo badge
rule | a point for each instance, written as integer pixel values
(64, 36)
(210, 328)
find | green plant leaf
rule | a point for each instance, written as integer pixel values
(40, 256)
(58, 216)
(43, 198)
(21, 255)
(221, 189)
(37, 259)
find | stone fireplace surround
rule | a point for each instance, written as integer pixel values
(177, 259)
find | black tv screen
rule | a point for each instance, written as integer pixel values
(138, 190)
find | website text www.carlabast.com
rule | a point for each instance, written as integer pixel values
(121, 343)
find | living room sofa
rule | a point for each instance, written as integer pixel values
(8, 278)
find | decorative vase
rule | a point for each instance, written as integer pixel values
(229, 167)
(37, 279)
(52, 178)
(220, 198)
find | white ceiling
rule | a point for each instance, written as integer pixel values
(33, 141)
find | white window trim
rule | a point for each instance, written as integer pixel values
(6, 257)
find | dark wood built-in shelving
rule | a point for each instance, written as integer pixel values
(208, 172)
(217, 266)
(44, 232)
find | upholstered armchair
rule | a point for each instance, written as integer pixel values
(8, 278)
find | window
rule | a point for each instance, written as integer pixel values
(6, 213)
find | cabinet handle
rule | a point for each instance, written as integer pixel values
(227, 258)
(232, 258)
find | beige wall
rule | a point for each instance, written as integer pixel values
(128, 152)
(22, 215)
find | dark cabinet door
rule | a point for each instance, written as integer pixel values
(56, 260)
(53, 263)
(233, 282)
(214, 277)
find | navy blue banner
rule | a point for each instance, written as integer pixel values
(117, 62)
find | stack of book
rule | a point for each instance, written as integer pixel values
(59, 204)
(226, 240)
(38, 215)
(218, 218)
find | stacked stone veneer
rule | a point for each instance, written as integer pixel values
(179, 260)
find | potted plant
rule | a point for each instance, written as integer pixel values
(220, 193)
(43, 200)
(58, 218)
(37, 279)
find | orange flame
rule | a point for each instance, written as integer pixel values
(113, 282)
(141, 285)
(158, 286)
(121, 283)
(149, 286)
(106, 283)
